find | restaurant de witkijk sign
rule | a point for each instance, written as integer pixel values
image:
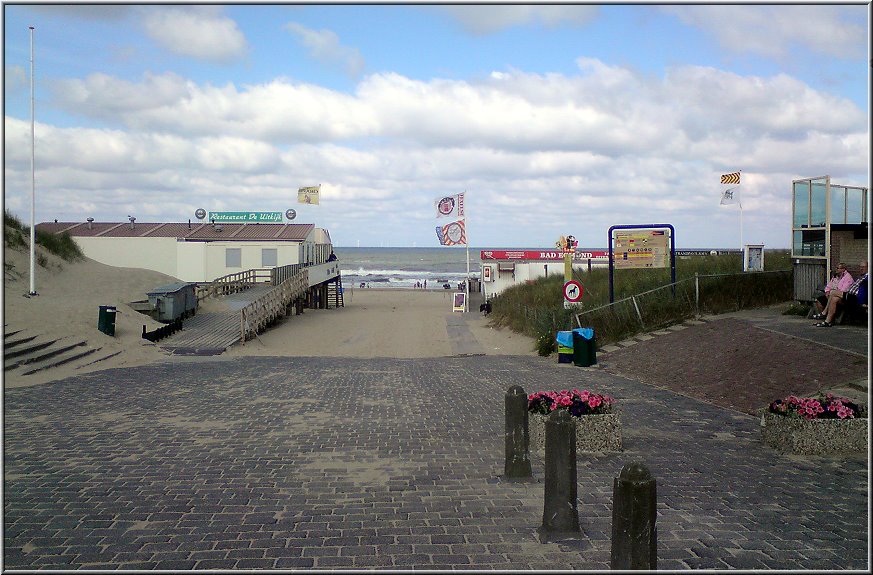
(245, 217)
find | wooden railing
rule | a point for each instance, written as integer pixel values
(254, 317)
(233, 283)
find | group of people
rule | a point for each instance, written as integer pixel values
(841, 290)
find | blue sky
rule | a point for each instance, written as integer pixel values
(555, 120)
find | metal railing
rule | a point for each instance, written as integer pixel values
(685, 299)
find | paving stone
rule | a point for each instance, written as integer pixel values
(246, 465)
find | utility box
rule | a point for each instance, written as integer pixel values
(173, 301)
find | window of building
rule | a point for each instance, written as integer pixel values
(233, 257)
(269, 257)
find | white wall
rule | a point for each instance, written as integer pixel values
(527, 270)
(158, 254)
(215, 256)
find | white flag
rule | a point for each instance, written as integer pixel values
(730, 197)
(450, 206)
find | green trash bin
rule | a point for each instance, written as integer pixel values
(584, 347)
(106, 319)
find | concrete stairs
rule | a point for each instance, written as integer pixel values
(26, 352)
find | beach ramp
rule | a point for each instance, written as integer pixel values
(210, 333)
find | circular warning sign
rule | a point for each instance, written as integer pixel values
(573, 291)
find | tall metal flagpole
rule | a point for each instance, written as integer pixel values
(467, 232)
(32, 178)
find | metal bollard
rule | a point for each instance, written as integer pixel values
(560, 510)
(634, 533)
(517, 464)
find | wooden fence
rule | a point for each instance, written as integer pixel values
(257, 315)
(233, 283)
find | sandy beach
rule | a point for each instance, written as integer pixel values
(374, 322)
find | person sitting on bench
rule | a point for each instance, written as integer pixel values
(844, 280)
(855, 295)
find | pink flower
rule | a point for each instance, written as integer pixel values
(593, 401)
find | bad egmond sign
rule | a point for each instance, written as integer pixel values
(245, 217)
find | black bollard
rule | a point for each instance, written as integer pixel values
(634, 533)
(517, 464)
(560, 510)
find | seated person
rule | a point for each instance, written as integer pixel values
(855, 295)
(844, 280)
(821, 301)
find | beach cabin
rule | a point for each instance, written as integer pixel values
(500, 269)
(201, 252)
(829, 225)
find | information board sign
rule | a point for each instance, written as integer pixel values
(641, 249)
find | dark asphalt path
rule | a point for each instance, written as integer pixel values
(389, 463)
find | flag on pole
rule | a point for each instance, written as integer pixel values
(452, 234)
(450, 206)
(729, 197)
(732, 178)
(308, 195)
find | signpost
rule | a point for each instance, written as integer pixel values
(645, 247)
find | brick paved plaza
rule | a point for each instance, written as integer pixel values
(299, 463)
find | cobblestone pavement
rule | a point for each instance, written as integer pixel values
(302, 463)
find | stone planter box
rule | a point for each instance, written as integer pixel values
(594, 433)
(813, 436)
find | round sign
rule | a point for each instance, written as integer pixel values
(446, 206)
(200, 213)
(573, 291)
(290, 214)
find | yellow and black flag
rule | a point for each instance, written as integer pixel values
(733, 178)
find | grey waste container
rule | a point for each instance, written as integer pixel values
(173, 301)
(106, 319)
(584, 347)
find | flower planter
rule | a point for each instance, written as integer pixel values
(813, 436)
(594, 433)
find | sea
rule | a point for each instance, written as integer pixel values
(406, 267)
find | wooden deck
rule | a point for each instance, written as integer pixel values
(212, 333)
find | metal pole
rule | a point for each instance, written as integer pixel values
(467, 238)
(32, 178)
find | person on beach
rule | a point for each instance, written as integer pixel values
(844, 280)
(855, 295)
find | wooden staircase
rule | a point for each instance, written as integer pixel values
(335, 293)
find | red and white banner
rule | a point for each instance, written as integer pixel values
(541, 255)
(452, 234)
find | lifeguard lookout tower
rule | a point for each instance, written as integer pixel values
(829, 225)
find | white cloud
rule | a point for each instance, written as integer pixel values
(325, 47)
(771, 30)
(595, 148)
(14, 78)
(490, 18)
(198, 32)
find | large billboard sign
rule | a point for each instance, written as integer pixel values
(641, 249)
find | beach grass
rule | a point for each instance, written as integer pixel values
(16, 236)
(536, 308)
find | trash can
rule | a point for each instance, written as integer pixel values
(106, 320)
(565, 346)
(584, 347)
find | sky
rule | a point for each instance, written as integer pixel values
(552, 119)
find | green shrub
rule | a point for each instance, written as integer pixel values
(546, 344)
(536, 307)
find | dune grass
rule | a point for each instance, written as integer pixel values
(16, 235)
(536, 308)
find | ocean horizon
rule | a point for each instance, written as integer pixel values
(407, 267)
